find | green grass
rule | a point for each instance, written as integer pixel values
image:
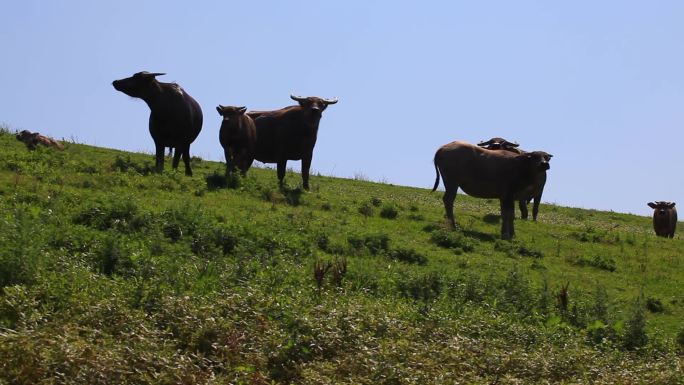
(111, 273)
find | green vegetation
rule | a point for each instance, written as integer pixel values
(110, 273)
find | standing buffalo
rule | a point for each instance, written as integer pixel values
(664, 218)
(33, 139)
(237, 137)
(536, 190)
(486, 173)
(289, 134)
(175, 117)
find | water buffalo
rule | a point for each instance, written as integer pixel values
(33, 139)
(486, 173)
(237, 137)
(175, 117)
(664, 218)
(289, 134)
(536, 190)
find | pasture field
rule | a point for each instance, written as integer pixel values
(110, 273)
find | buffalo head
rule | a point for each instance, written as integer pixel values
(537, 160)
(137, 85)
(313, 104)
(229, 112)
(661, 207)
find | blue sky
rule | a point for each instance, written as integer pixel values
(598, 84)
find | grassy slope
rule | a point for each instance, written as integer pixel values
(118, 276)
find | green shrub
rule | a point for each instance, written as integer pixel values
(635, 336)
(375, 201)
(389, 211)
(125, 164)
(452, 239)
(422, 287)
(218, 180)
(408, 256)
(654, 305)
(599, 262)
(20, 248)
(366, 210)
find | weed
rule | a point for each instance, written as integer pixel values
(375, 201)
(452, 240)
(366, 210)
(635, 336)
(599, 262)
(654, 305)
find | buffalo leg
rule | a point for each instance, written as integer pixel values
(159, 157)
(448, 199)
(522, 204)
(306, 165)
(186, 160)
(281, 172)
(535, 207)
(507, 216)
(230, 164)
(176, 158)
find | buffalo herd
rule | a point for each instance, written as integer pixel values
(492, 169)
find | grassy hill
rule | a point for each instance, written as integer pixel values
(113, 274)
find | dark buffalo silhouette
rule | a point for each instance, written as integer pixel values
(536, 190)
(33, 139)
(486, 173)
(175, 117)
(664, 218)
(289, 134)
(238, 138)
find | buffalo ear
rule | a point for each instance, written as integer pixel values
(220, 108)
(652, 205)
(671, 205)
(241, 110)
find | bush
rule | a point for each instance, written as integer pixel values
(366, 210)
(425, 287)
(375, 201)
(452, 240)
(20, 254)
(121, 214)
(110, 259)
(389, 211)
(217, 181)
(124, 164)
(599, 262)
(654, 305)
(408, 256)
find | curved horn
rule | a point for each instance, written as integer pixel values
(509, 144)
(297, 98)
(330, 101)
(485, 143)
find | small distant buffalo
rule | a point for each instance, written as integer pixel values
(33, 139)
(536, 190)
(486, 173)
(238, 138)
(175, 117)
(664, 218)
(289, 134)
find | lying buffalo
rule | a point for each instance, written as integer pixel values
(238, 138)
(33, 139)
(289, 134)
(664, 218)
(536, 190)
(175, 117)
(486, 173)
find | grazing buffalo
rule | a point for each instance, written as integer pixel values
(486, 173)
(175, 117)
(237, 137)
(664, 218)
(536, 190)
(289, 134)
(33, 139)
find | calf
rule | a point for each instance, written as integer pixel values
(486, 173)
(175, 117)
(664, 218)
(33, 139)
(289, 134)
(238, 138)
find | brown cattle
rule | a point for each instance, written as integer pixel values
(289, 134)
(664, 218)
(486, 173)
(175, 117)
(33, 139)
(536, 190)
(237, 137)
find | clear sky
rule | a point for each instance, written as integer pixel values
(599, 84)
